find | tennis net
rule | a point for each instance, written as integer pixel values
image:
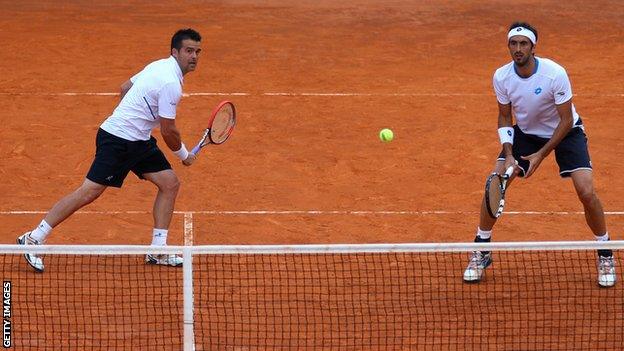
(535, 296)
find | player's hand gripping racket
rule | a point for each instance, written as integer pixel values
(220, 126)
(495, 187)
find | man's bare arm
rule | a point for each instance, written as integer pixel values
(124, 88)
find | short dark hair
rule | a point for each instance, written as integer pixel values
(182, 34)
(525, 25)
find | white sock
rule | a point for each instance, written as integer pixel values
(159, 237)
(604, 237)
(484, 234)
(41, 232)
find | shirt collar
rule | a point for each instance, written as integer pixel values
(177, 68)
(534, 69)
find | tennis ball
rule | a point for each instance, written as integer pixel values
(386, 135)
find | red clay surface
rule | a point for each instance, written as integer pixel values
(423, 68)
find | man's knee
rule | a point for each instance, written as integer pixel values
(170, 185)
(584, 185)
(88, 193)
(166, 181)
(587, 195)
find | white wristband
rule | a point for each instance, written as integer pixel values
(506, 135)
(182, 153)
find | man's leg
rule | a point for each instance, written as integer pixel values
(168, 186)
(84, 195)
(595, 218)
(594, 214)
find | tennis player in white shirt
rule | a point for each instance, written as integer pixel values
(124, 143)
(536, 92)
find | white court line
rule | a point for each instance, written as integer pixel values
(257, 94)
(188, 229)
(320, 94)
(376, 94)
(188, 215)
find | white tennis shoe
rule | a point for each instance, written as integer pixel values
(476, 266)
(35, 261)
(606, 271)
(165, 260)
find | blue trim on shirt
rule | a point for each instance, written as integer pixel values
(534, 70)
(148, 106)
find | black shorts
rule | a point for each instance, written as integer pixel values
(115, 157)
(571, 154)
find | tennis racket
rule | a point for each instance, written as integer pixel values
(495, 187)
(220, 126)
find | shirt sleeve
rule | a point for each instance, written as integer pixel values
(562, 89)
(168, 99)
(500, 91)
(134, 77)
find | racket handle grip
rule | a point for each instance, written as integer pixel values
(509, 171)
(195, 150)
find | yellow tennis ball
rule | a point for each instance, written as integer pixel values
(386, 135)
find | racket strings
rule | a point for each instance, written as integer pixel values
(222, 125)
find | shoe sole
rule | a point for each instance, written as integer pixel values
(606, 286)
(37, 269)
(163, 264)
(474, 281)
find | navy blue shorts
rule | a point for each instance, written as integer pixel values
(115, 157)
(571, 154)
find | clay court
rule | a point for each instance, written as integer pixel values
(313, 83)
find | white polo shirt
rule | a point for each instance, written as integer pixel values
(534, 99)
(155, 93)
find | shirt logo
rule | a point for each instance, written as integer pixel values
(538, 91)
(561, 93)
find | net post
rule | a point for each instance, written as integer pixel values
(189, 336)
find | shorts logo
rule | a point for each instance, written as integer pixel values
(538, 91)
(109, 178)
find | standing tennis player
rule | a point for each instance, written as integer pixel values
(539, 93)
(124, 143)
